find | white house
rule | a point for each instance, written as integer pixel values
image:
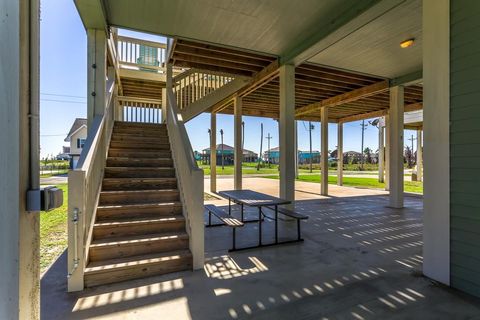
(77, 137)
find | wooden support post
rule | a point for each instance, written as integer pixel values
(395, 138)
(340, 155)
(238, 152)
(19, 163)
(296, 149)
(387, 153)
(419, 155)
(96, 73)
(287, 132)
(164, 105)
(381, 153)
(324, 152)
(213, 152)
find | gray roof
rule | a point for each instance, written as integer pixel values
(77, 124)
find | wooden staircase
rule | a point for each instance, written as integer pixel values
(139, 229)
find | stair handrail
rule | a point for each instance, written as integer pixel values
(84, 190)
(189, 177)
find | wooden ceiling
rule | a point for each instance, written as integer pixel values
(142, 88)
(313, 84)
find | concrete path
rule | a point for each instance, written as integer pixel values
(60, 179)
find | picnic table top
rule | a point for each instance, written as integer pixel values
(253, 198)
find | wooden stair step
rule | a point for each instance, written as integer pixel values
(139, 162)
(135, 132)
(139, 172)
(128, 124)
(139, 226)
(139, 145)
(138, 196)
(116, 270)
(130, 246)
(112, 184)
(135, 153)
(133, 211)
(137, 138)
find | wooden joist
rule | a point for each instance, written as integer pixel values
(345, 97)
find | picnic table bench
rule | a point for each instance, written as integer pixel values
(225, 218)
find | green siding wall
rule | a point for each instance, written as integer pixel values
(465, 145)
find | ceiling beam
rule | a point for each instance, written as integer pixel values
(347, 21)
(379, 113)
(92, 13)
(408, 79)
(413, 107)
(345, 97)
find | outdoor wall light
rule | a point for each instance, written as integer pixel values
(407, 43)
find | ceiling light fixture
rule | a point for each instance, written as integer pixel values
(407, 43)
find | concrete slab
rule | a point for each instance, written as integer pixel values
(360, 260)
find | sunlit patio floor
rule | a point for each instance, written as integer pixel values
(360, 260)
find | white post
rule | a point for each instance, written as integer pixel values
(419, 156)
(340, 154)
(287, 132)
(164, 105)
(324, 151)
(96, 73)
(436, 118)
(296, 150)
(395, 138)
(238, 152)
(19, 163)
(213, 152)
(387, 153)
(381, 153)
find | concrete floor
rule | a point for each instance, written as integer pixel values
(360, 260)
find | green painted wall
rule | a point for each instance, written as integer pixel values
(465, 145)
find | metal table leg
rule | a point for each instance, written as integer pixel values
(276, 224)
(259, 226)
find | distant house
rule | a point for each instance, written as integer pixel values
(272, 155)
(348, 157)
(65, 154)
(228, 155)
(304, 156)
(77, 136)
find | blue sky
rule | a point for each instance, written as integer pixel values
(63, 88)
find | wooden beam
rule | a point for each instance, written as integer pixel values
(363, 116)
(345, 97)
(413, 107)
(261, 78)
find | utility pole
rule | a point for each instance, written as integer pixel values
(310, 129)
(269, 137)
(261, 144)
(221, 134)
(411, 150)
(364, 127)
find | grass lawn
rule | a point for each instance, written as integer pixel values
(53, 232)
(410, 186)
(247, 168)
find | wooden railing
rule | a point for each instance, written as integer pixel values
(190, 179)
(84, 190)
(139, 110)
(193, 85)
(146, 55)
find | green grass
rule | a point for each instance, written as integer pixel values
(53, 232)
(247, 168)
(410, 186)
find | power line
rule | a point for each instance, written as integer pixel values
(62, 95)
(63, 101)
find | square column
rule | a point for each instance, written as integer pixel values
(395, 138)
(213, 152)
(419, 156)
(164, 105)
(96, 73)
(19, 163)
(340, 154)
(387, 153)
(324, 152)
(381, 153)
(436, 126)
(287, 132)
(238, 152)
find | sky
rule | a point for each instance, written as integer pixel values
(63, 91)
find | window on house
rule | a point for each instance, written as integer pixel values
(80, 143)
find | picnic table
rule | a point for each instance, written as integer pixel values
(257, 200)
